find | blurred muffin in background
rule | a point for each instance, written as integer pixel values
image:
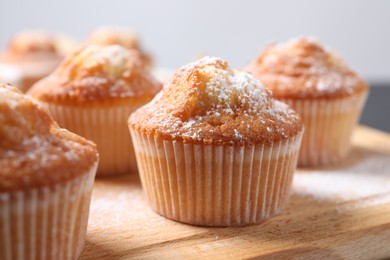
(92, 93)
(110, 35)
(32, 55)
(318, 84)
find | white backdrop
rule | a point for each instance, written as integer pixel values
(177, 31)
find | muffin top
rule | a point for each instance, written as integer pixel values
(95, 74)
(206, 102)
(34, 151)
(37, 46)
(116, 35)
(303, 68)
(33, 55)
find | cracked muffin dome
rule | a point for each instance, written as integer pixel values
(34, 151)
(208, 102)
(97, 73)
(116, 35)
(303, 68)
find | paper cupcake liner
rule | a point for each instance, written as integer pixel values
(46, 223)
(213, 185)
(328, 127)
(107, 127)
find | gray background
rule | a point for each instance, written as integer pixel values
(177, 31)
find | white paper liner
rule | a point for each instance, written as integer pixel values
(47, 222)
(213, 185)
(328, 128)
(107, 127)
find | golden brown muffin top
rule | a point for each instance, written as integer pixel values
(97, 73)
(303, 68)
(37, 46)
(35, 54)
(116, 35)
(207, 102)
(34, 151)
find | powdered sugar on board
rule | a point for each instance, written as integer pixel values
(365, 177)
(127, 201)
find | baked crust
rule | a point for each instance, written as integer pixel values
(95, 74)
(115, 35)
(207, 102)
(35, 54)
(37, 46)
(34, 151)
(303, 68)
(30, 43)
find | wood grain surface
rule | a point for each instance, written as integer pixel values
(338, 212)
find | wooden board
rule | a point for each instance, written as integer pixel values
(339, 212)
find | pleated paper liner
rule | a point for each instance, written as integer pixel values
(213, 185)
(328, 127)
(107, 127)
(46, 223)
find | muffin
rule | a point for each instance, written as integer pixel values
(214, 149)
(317, 83)
(116, 35)
(32, 55)
(92, 94)
(46, 177)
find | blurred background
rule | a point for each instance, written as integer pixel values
(176, 32)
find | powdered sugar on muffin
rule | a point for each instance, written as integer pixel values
(97, 73)
(125, 37)
(34, 151)
(302, 67)
(208, 102)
